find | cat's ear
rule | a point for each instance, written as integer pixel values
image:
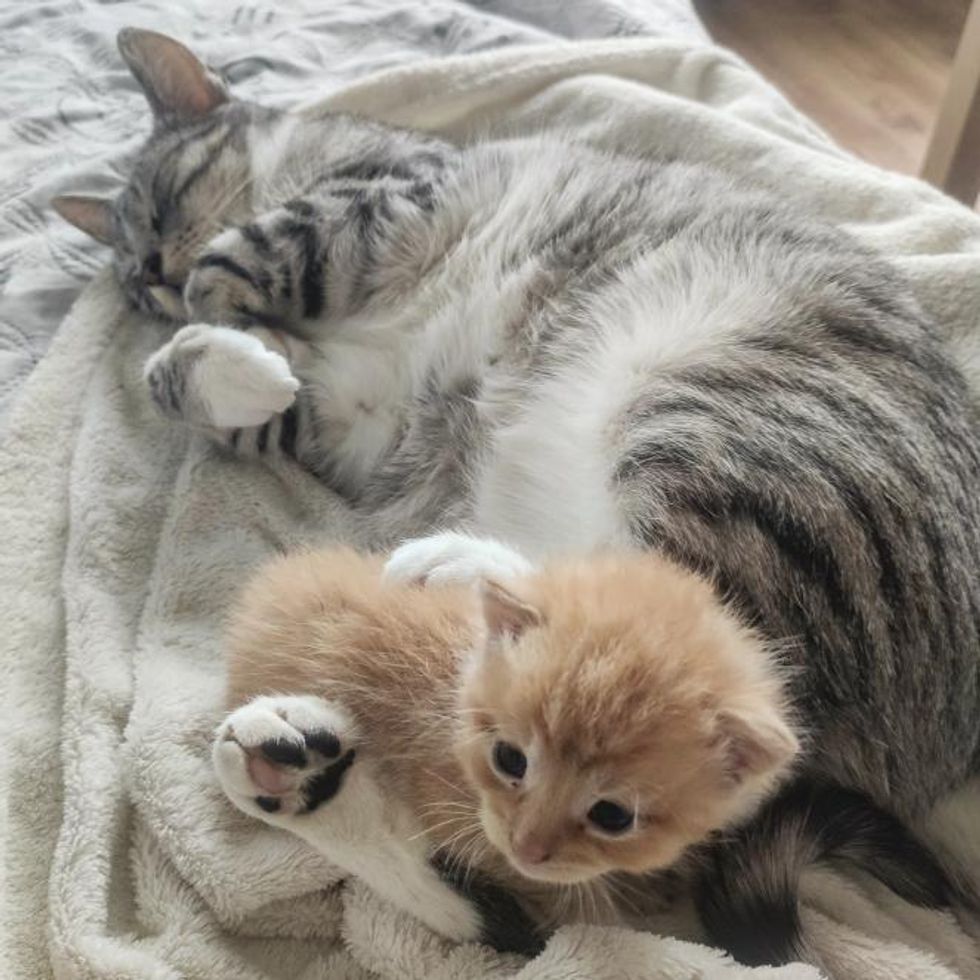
(756, 743)
(177, 85)
(505, 614)
(93, 215)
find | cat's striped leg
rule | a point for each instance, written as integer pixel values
(269, 272)
(308, 260)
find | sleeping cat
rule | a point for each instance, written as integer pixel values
(570, 349)
(592, 717)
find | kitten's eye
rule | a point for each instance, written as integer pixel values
(510, 760)
(611, 817)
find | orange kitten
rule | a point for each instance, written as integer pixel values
(588, 717)
(616, 714)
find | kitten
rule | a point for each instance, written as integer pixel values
(628, 354)
(588, 718)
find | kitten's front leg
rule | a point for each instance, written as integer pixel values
(293, 762)
(453, 557)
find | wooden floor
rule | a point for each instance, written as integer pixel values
(870, 72)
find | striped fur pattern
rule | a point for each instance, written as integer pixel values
(624, 353)
(755, 877)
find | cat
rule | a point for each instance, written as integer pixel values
(569, 349)
(571, 722)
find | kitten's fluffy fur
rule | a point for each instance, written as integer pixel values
(620, 678)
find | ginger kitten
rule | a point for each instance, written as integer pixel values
(589, 717)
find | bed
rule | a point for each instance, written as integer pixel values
(124, 538)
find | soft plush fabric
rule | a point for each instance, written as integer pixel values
(123, 541)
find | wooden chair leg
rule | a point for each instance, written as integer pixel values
(952, 160)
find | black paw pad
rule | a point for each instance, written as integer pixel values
(326, 784)
(324, 742)
(268, 803)
(284, 753)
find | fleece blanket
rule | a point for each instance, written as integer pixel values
(123, 540)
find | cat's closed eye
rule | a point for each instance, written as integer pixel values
(610, 817)
(509, 760)
(151, 271)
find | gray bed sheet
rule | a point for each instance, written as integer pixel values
(70, 114)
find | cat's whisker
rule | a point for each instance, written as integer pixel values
(627, 892)
(449, 804)
(471, 853)
(431, 829)
(455, 787)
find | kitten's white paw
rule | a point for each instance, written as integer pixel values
(452, 558)
(219, 377)
(281, 756)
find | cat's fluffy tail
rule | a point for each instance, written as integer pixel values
(747, 895)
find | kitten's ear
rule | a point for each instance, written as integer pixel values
(756, 744)
(93, 215)
(504, 613)
(176, 83)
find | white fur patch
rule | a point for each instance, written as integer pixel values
(453, 558)
(230, 379)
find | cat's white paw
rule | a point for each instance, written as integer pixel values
(281, 756)
(452, 558)
(220, 377)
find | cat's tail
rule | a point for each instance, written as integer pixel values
(747, 894)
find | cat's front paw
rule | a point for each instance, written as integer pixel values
(283, 756)
(219, 377)
(453, 558)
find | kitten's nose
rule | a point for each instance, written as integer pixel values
(532, 850)
(151, 271)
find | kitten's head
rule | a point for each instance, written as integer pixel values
(616, 713)
(189, 180)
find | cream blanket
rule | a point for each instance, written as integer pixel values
(123, 540)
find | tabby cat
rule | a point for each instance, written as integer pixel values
(569, 349)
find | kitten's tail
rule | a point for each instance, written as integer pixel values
(747, 895)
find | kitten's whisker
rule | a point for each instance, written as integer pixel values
(425, 831)
(453, 786)
(449, 805)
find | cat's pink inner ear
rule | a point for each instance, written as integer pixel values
(756, 744)
(505, 613)
(176, 83)
(89, 214)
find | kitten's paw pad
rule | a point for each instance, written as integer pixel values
(219, 377)
(283, 755)
(452, 558)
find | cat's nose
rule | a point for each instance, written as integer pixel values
(151, 271)
(532, 850)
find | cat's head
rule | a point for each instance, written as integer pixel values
(190, 179)
(615, 714)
